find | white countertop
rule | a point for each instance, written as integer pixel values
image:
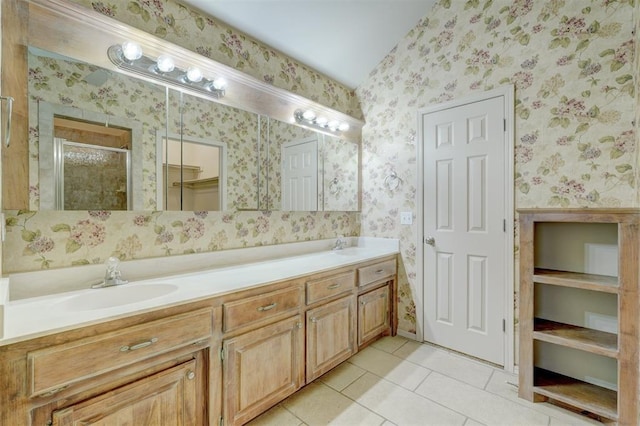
(42, 315)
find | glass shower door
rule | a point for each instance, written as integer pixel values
(91, 177)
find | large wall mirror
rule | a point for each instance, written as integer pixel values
(104, 140)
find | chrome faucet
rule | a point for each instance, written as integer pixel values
(341, 242)
(112, 276)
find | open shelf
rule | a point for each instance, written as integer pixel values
(601, 283)
(554, 242)
(585, 339)
(592, 398)
(198, 183)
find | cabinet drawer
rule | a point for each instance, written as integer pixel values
(59, 366)
(376, 272)
(253, 309)
(327, 287)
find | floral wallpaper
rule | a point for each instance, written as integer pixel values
(341, 174)
(576, 83)
(574, 65)
(58, 239)
(49, 239)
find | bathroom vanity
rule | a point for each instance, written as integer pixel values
(210, 352)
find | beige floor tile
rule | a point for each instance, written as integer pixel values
(573, 422)
(471, 422)
(390, 344)
(398, 405)
(390, 367)
(477, 404)
(342, 376)
(505, 384)
(318, 404)
(388, 423)
(276, 416)
(467, 370)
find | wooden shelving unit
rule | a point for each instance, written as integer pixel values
(595, 399)
(538, 384)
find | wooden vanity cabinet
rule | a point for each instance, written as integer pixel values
(330, 322)
(376, 301)
(130, 371)
(223, 360)
(373, 314)
(261, 368)
(168, 397)
(262, 350)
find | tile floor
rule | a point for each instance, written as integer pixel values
(397, 381)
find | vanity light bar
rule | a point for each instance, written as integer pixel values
(129, 57)
(310, 118)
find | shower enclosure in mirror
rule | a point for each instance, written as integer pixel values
(91, 177)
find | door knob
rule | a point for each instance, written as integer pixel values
(430, 240)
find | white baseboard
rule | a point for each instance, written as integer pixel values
(408, 335)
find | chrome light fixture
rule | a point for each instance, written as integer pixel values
(128, 56)
(311, 119)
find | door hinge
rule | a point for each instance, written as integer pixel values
(221, 354)
(504, 225)
(504, 121)
(504, 325)
(221, 421)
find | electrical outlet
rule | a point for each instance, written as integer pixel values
(406, 218)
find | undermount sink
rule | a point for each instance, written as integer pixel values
(110, 297)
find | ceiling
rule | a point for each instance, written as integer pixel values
(343, 39)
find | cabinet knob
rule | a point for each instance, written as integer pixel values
(313, 319)
(191, 375)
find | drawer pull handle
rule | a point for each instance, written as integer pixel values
(313, 319)
(379, 271)
(267, 307)
(333, 286)
(139, 345)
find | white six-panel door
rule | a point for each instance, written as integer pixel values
(465, 229)
(300, 175)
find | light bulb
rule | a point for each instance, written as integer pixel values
(343, 127)
(194, 74)
(308, 115)
(333, 125)
(219, 83)
(131, 51)
(321, 121)
(165, 63)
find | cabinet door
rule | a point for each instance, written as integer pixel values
(330, 336)
(165, 398)
(373, 314)
(261, 368)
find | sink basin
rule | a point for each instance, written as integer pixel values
(349, 251)
(110, 297)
